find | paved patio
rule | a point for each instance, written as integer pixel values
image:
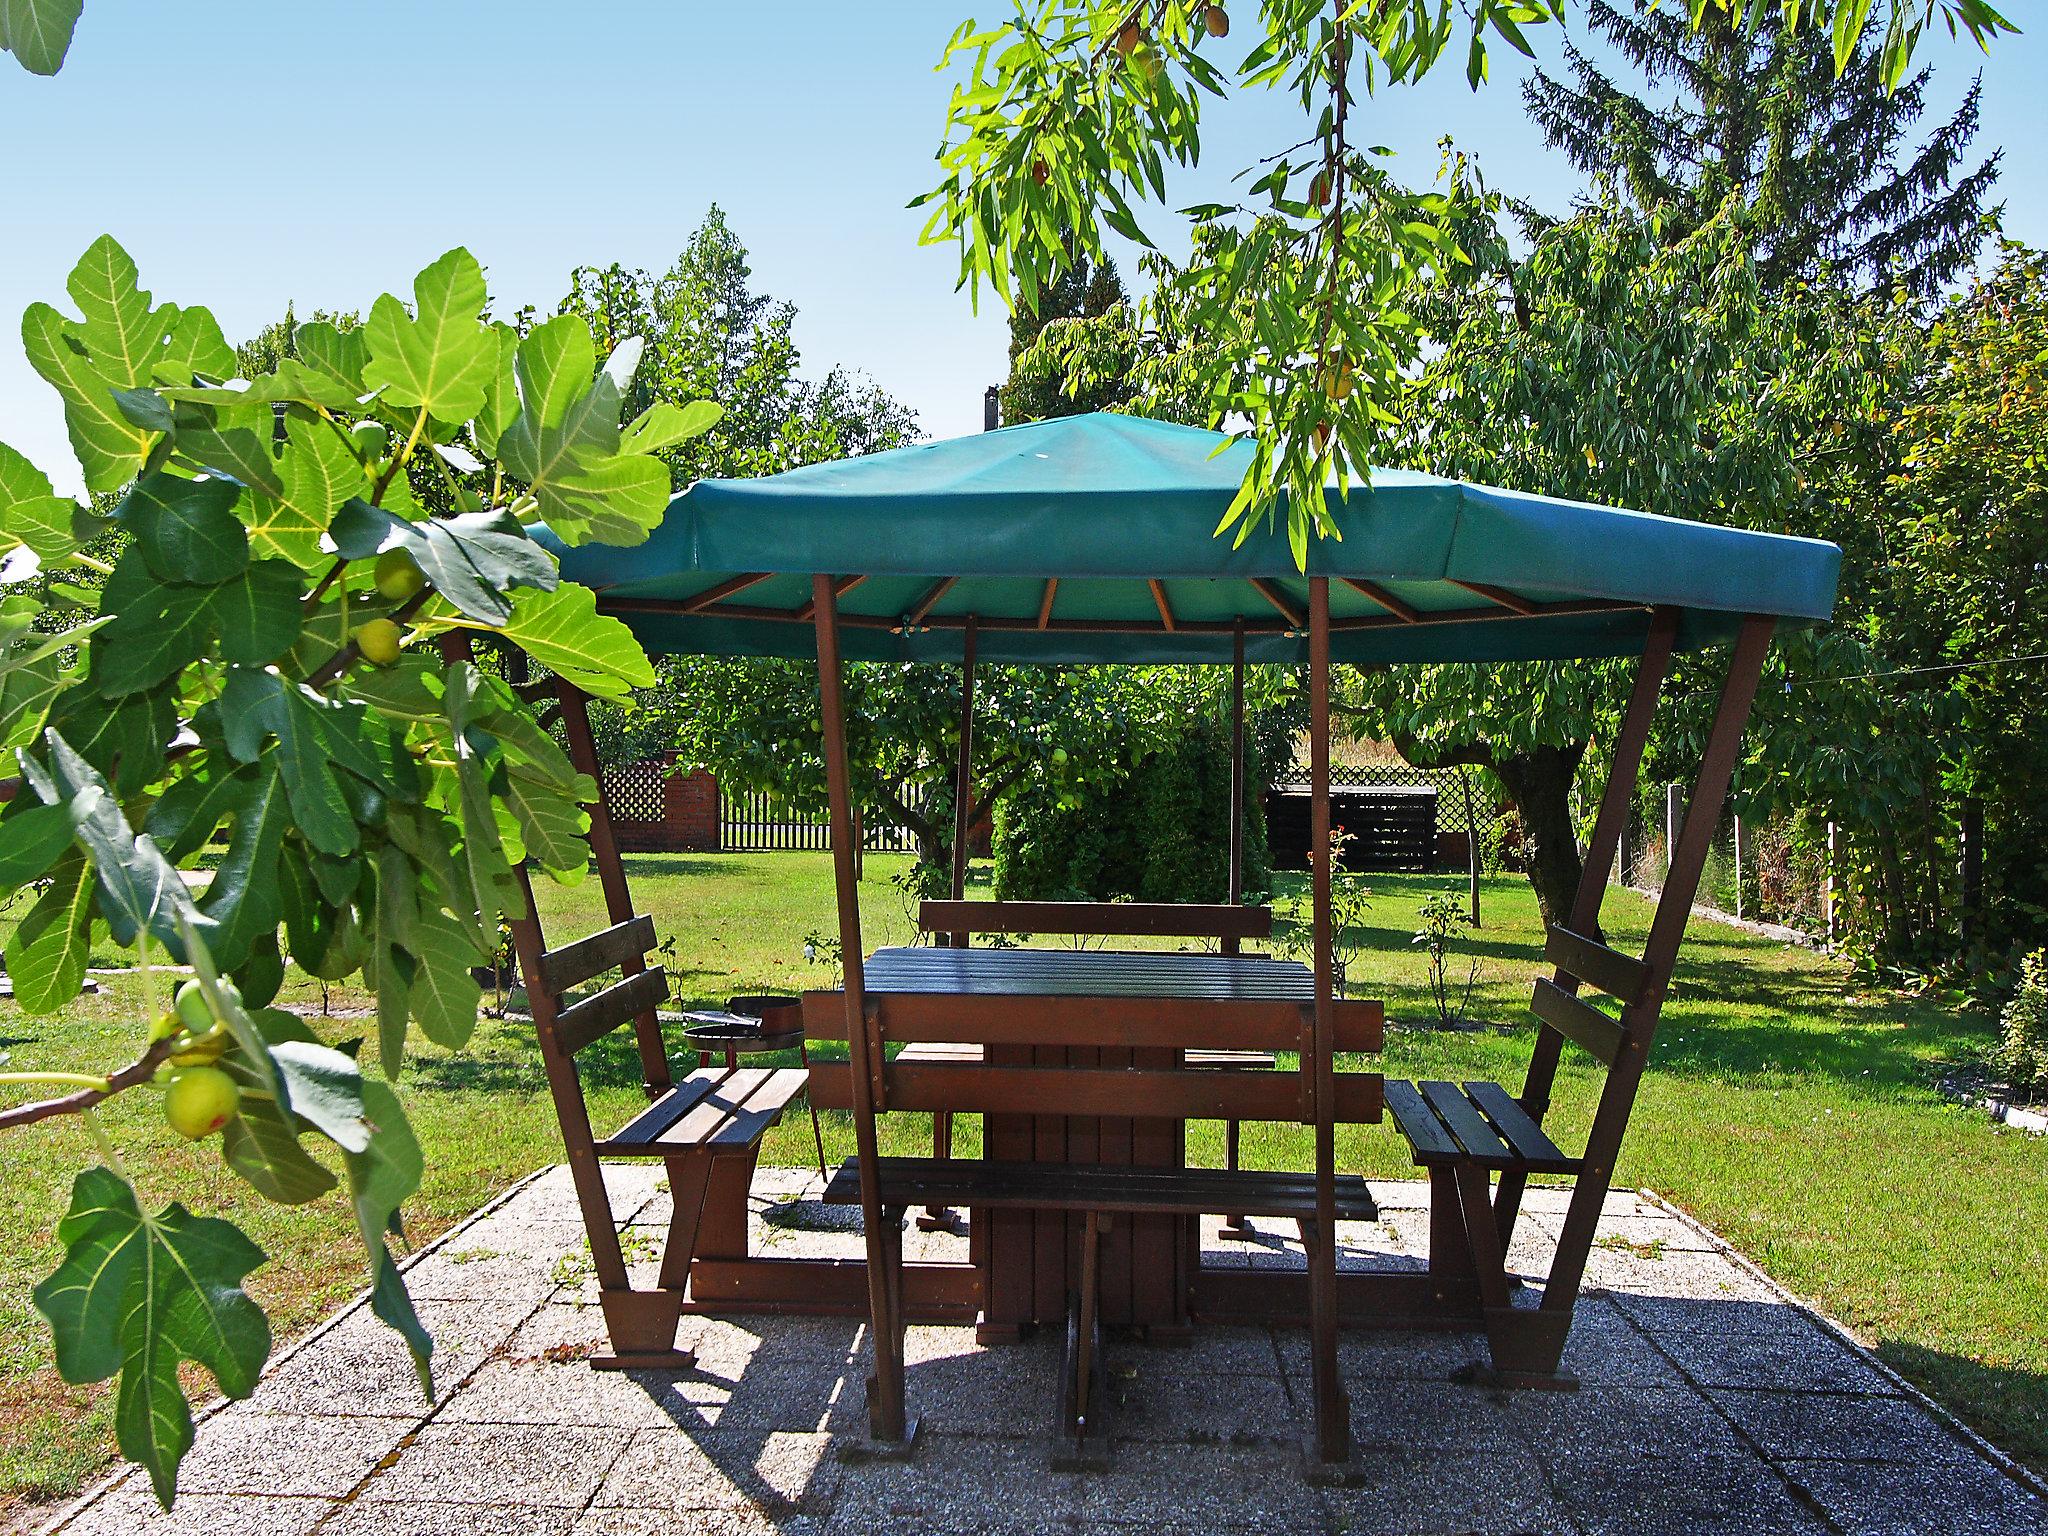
(1711, 1403)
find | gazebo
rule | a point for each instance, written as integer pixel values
(1093, 539)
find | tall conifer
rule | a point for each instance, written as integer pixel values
(1826, 169)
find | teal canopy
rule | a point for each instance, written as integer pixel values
(1093, 538)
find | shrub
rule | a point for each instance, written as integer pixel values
(2022, 1050)
(1159, 831)
(1443, 919)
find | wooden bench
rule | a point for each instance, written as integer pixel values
(945, 1066)
(940, 1217)
(1229, 924)
(706, 1129)
(1468, 1134)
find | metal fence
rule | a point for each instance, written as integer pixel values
(1764, 870)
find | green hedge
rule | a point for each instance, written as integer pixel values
(1159, 832)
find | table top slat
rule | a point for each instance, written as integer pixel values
(1089, 973)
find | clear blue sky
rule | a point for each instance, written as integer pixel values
(250, 152)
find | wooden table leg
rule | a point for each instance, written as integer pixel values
(1234, 1225)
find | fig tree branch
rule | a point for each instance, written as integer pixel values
(138, 1071)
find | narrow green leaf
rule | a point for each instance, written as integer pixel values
(244, 898)
(32, 838)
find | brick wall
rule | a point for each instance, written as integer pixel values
(657, 810)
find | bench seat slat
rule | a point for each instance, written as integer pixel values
(763, 1108)
(1418, 1122)
(1086, 1187)
(1535, 1150)
(928, 1052)
(663, 1112)
(1228, 1061)
(1475, 1138)
(574, 964)
(720, 1107)
(1171, 920)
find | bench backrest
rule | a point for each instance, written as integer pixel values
(1228, 923)
(632, 999)
(1592, 964)
(1148, 1027)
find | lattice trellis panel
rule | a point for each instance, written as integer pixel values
(634, 792)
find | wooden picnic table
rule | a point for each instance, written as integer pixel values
(1030, 1259)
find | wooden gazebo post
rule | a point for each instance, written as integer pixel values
(1333, 1414)
(963, 778)
(887, 1427)
(1236, 884)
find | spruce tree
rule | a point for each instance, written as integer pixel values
(1086, 290)
(1825, 169)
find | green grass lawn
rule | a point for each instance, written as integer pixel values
(1792, 1110)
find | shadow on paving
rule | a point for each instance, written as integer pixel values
(1708, 1406)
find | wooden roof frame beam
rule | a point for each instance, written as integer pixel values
(1046, 623)
(924, 605)
(1165, 609)
(1514, 602)
(718, 591)
(840, 586)
(1296, 619)
(1405, 612)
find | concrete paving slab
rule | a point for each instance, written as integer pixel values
(524, 1465)
(1710, 1403)
(1194, 1407)
(1652, 1423)
(958, 1484)
(699, 1522)
(1202, 1487)
(1001, 1392)
(1841, 1427)
(630, 1186)
(362, 1367)
(1388, 1415)
(539, 1391)
(772, 1472)
(1765, 1345)
(429, 1519)
(132, 1510)
(1938, 1499)
(498, 1260)
(268, 1454)
(1623, 1495)
(1606, 1347)
(1425, 1493)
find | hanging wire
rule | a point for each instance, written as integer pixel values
(1863, 677)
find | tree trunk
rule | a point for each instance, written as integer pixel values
(932, 835)
(1540, 784)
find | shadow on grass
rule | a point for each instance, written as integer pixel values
(2002, 1401)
